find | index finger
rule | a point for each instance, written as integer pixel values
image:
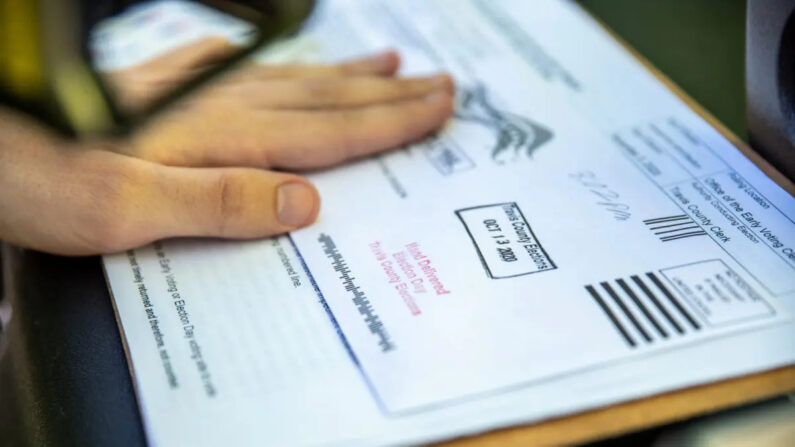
(381, 64)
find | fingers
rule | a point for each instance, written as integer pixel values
(79, 202)
(239, 136)
(136, 86)
(223, 202)
(381, 64)
(178, 64)
(319, 139)
(326, 93)
(207, 51)
(74, 199)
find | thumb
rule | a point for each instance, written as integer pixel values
(227, 203)
(64, 198)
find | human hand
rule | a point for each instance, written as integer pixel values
(284, 116)
(196, 171)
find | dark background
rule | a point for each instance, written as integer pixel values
(699, 44)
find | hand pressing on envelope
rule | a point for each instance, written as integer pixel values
(203, 168)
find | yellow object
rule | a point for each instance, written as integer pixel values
(22, 69)
(42, 68)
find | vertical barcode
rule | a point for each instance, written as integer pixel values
(634, 308)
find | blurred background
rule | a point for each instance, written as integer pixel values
(699, 44)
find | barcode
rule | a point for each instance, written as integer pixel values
(672, 228)
(360, 299)
(642, 310)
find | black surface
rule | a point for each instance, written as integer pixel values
(770, 81)
(64, 377)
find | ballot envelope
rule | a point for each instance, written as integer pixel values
(576, 236)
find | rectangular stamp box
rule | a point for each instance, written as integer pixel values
(504, 241)
(445, 155)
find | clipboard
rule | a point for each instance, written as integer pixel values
(667, 407)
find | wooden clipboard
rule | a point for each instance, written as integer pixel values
(668, 407)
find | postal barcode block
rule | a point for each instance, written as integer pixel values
(673, 228)
(643, 309)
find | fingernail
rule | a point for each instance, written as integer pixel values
(295, 204)
(385, 59)
(438, 96)
(444, 82)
